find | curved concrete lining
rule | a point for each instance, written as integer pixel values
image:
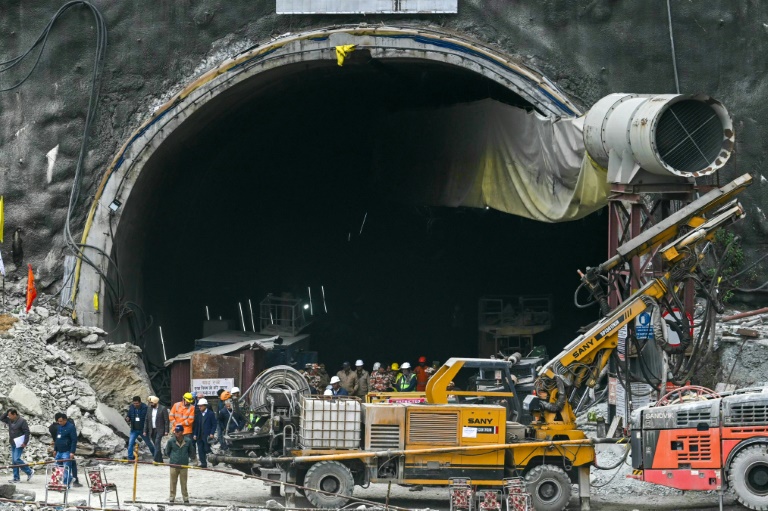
(381, 42)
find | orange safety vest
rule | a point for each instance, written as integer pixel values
(184, 415)
(421, 378)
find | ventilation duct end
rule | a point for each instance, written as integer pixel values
(671, 135)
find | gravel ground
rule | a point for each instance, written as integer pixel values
(208, 489)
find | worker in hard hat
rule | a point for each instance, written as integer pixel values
(362, 379)
(406, 382)
(422, 374)
(336, 387)
(205, 431)
(183, 414)
(394, 373)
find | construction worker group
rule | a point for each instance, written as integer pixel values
(359, 382)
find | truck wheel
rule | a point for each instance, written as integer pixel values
(748, 476)
(332, 477)
(549, 486)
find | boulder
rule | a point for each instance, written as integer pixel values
(88, 403)
(38, 430)
(116, 374)
(90, 339)
(97, 346)
(101, 436)
(76, 332)
(113, 418)
(25, 400)
(74, 413)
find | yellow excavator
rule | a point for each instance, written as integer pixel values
(323, 446)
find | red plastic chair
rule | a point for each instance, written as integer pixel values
(489, 500)
(55, 477)
(462, 494)
(98, 485)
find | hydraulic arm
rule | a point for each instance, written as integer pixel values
(680, 240)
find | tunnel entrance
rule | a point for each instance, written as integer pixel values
(271, 187)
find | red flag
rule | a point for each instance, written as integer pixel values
(31, 291)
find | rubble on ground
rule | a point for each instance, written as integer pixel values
(743, 347)
(51, 365)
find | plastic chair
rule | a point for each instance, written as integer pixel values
(98, 485)
(55, 477)
(489, 500)
(516, 495)
(461, 494)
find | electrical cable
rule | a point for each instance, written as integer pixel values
(100, 52)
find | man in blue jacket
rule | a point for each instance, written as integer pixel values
(65, 445)
(204, 431)
(229, 421)
(136, 418)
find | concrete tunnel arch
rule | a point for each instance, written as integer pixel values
(307, 49)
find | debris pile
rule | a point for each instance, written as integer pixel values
(743, 346)
(49, 365)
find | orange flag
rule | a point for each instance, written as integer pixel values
(31, 291)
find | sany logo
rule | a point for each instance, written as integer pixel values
(472, 420)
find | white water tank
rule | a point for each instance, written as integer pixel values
(330, 423)
(668, 136)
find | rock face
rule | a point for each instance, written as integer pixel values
(116, 373)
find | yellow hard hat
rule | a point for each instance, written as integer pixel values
(395, 367)
(188, 397)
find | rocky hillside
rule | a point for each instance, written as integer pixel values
(50, 365)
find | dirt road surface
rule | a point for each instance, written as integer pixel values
(208, 489)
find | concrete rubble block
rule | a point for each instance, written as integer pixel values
(38, 430)
(7, 490)
(74, 413)
(116, 420)
(90, 339)
(101, 436)
(76, 332)
(50, 372)
(25, 400)
(88, 403)
(97, 346)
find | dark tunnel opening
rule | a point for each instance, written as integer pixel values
(268, 189)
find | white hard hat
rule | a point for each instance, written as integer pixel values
(335, 379)
(359, 363)
(202, 401)
(328, 392)
(376, 366)
(405, 365)
(235, 389)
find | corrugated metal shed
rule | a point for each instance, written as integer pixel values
(255, 342)
(256, 352)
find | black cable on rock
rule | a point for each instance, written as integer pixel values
(98, 62)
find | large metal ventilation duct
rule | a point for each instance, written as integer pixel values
(672, 135)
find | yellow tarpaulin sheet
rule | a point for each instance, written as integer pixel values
(491, 154)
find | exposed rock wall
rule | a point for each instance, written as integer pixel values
(590, 49)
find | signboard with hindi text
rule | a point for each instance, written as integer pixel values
(209, 386)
